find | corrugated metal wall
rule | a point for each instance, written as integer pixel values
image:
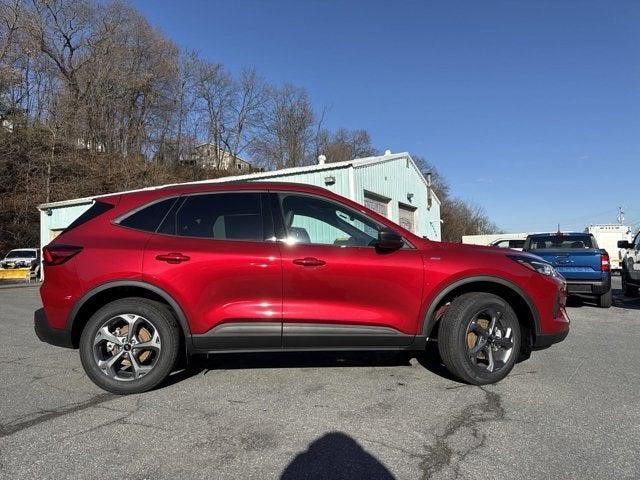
(400, 182)
(340, 175)
(59, 219)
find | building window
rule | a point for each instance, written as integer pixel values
(407, 217)
(377, 203)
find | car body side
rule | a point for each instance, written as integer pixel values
(122, 264)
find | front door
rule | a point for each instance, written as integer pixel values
(212, 256)
(339, 290)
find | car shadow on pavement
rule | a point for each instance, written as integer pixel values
(201, 364)
(619, 300)
(336, 456)
(231, 361)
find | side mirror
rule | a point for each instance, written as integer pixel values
(624, 244)
(389, 240)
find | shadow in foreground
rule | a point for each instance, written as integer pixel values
(335, 456)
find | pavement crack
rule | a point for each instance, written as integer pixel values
(461, 436)
(47, 415)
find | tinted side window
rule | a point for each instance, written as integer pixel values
(221, 216)
(148, 218)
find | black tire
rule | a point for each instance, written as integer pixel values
(161, 318)
(604, 301)
(453, 337)
(627, 290)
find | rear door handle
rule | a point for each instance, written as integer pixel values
(173, 258)
(309, 262)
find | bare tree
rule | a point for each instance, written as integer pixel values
(438, 181)
(287, 133)
(345, 144)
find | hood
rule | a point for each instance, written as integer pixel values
(489, 250)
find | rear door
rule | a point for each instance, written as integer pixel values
(212, 254)
(338, 289)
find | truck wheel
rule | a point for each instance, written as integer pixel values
(129, 345)
(479, 338)
(628, 290)
(605, 300)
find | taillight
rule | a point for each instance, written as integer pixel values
(58, 254)
(604, 262)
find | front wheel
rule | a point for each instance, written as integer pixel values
(479, 338)
(129, 345)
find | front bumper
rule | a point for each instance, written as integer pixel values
(589, 287)
(48, 334)
(544, 340)
(18, 264)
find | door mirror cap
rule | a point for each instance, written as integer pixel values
(624, 244)
(389, 240)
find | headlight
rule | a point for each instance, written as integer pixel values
(536, 265)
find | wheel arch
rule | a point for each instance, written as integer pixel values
(524, 307)
(99, 296)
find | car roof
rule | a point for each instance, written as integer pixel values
(221, 187)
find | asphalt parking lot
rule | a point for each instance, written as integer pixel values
(571, 411)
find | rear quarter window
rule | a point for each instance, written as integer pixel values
(148, 217)
(97, 209)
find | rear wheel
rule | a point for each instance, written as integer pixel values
(129, 345)
(605, 300)
(479, 338)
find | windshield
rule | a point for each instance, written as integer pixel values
(21, 254)
(568, 242)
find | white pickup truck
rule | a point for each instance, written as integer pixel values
(608, 236)
(21, 258)
(630, 265)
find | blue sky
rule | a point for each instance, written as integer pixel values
(529, 108)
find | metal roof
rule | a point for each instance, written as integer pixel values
(355, 163)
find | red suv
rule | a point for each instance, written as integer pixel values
(142, 278)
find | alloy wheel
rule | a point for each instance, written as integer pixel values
(489, 340)
(127, 347)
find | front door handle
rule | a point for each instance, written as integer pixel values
(173, 257)
(309, 262)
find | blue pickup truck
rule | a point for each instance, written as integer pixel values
(578, 259)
